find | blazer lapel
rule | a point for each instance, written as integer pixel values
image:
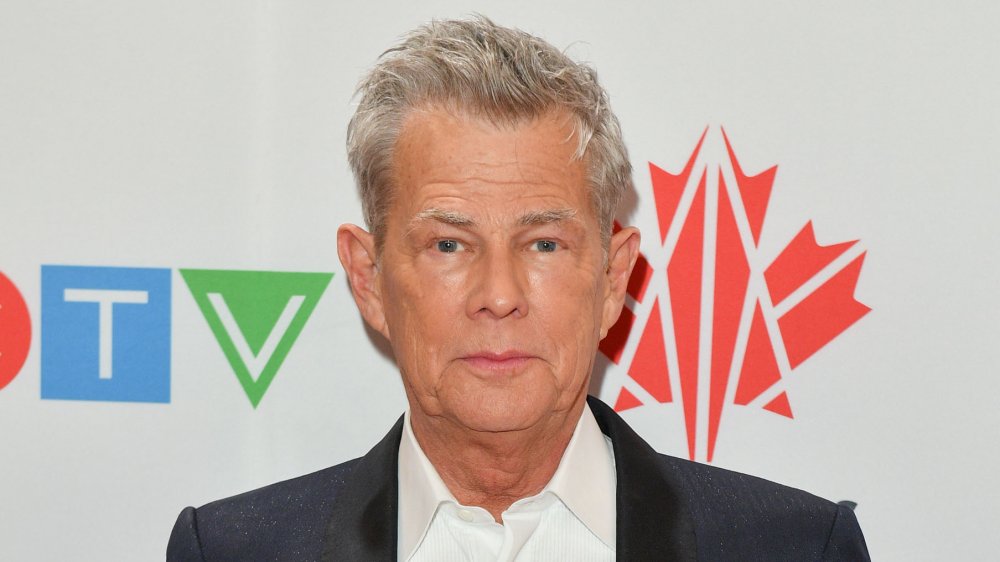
(363, 523)
(653, 522)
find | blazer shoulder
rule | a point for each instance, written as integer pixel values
(737, 513)
(709, 513)
(726, 489)
(285, 517)
(282, 497)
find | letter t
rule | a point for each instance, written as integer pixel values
(105, 300)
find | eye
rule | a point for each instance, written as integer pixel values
(449, 246)
(546, 246)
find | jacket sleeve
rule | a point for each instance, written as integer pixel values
(184, 544)
(846, 542)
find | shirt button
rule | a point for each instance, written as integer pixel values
(465, 515)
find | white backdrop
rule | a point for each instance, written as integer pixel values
(200, 135)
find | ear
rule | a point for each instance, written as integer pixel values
(356, 248)
(622, 254)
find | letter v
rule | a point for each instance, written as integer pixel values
(256, 362)
(256, 317)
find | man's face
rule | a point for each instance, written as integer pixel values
(492, 283)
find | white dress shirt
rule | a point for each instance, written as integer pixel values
(572, 518)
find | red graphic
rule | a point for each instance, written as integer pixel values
(15, 331)
(739, 326)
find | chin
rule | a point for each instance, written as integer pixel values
(501, 411)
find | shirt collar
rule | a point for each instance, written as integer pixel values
(584, 481)
(421, 491)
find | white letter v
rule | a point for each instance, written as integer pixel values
(255, 363)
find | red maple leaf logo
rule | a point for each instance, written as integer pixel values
(708, 308)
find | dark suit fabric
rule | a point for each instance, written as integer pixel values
(668, 509)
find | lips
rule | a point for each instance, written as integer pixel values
(498, 362)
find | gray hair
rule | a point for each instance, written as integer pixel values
(502, 75)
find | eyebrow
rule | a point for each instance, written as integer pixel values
(531, 218)
(536, 218)
(453, 218)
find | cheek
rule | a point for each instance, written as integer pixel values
(568, 306)
(421, 309)
(575, 286)
(413, 293)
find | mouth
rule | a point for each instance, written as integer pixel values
(504, 362)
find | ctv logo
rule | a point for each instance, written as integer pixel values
(106, 331)
(15, 331)
(714, 322)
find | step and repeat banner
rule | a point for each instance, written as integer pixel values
(816, 302)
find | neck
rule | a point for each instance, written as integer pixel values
(492, 470)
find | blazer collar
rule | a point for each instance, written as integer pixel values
(653, 522)
(363, 523)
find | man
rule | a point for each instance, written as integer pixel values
(490, 167)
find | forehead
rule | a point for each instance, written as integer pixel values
(440, 154)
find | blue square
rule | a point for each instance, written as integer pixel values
(106, 333)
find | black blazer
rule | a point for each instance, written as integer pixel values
(668, 509)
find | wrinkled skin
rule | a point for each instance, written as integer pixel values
(492, 285)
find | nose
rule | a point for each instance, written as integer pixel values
(499, 286)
